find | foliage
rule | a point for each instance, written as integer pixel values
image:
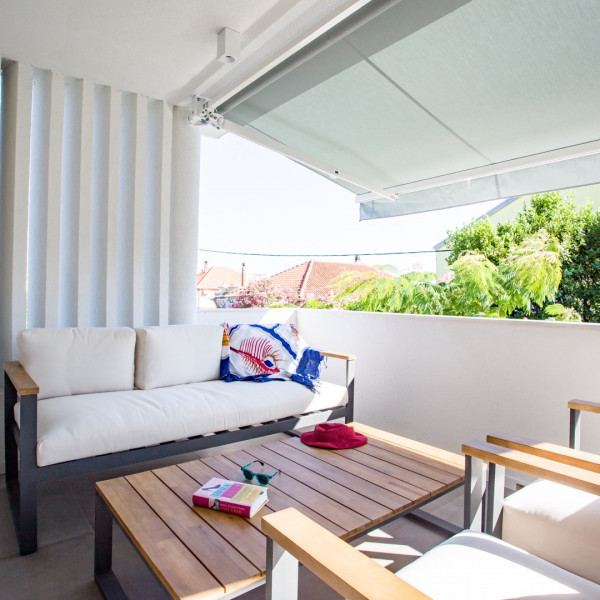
(478, 287)
(263, 294)
(481, 237)
(577, 233)
(580, 287)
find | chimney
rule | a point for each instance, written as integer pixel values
(205, 267)
(244, 276)
(357, 258)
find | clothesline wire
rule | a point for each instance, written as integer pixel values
(321, 255)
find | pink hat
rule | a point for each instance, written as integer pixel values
(333, 435)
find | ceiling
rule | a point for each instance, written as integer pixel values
(164, 49)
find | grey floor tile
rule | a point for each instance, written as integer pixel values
(132, 572)
(448, 507)
(8, 539)
(60, 516)
(59, 571)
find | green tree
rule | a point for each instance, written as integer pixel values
(530, 275)
(577, 231)
(580, 287)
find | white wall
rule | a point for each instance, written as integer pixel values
(447, 380)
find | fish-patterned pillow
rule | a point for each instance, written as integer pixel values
(268, 353)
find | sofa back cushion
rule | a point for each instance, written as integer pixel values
(175, 354)
(76, 360)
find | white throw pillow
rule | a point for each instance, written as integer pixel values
(175, 354)
(77, 360)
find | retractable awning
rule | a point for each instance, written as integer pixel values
(439, 103)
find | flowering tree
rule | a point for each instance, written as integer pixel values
(263, 294)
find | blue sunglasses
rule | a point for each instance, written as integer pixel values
(262, 478)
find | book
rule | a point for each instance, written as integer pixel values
(233, 497)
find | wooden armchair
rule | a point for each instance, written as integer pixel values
(548, 518)
(470, 565)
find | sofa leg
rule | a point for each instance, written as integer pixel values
(11, 450)
(11, 456)
(28, 518)
(23, 501)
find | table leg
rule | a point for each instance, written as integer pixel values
(104, 576)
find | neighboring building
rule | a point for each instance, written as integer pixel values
(510, 208)
(217, 281)
(312, 279)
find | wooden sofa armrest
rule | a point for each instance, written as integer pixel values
(585, 405)
(24, 385)
(341, 566)
(568, 456)
(534, 465)
(337, 355)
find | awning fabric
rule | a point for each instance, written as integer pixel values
(445, 102)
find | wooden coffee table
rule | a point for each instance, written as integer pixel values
(200, 553)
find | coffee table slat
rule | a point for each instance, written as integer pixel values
(411, 461)
(443, 456)
(286, 491)
(367, 507)
(249, 541)
(224, 561)
(422, 484)
(177, 568)
(384, 489)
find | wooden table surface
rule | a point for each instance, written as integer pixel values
(201, 553)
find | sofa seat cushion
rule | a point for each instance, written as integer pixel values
(558, 523)
(73, 427)
(476, 566)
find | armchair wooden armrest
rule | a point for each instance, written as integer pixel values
(575, 408)
(341, 566)
(568, 456)
(337, 355)
(537, 466)
(24, 385)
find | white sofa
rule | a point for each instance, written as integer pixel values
(104, 397)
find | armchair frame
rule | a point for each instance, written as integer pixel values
(293, 537)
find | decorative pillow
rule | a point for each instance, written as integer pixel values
(268, 353)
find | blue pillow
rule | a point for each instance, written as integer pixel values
(268, 353)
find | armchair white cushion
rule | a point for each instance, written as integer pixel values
(558, 523)
(477, 566)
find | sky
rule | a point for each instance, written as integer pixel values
(254, 200)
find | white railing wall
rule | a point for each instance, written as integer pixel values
(446, 380)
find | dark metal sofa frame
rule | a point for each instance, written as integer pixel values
(23, 473)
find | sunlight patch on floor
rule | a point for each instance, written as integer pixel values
(384, 548)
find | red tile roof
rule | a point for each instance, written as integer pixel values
(313, 278)
(215, 277)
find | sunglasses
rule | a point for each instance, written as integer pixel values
(262, 478)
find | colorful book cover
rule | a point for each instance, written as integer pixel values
(237, 498)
